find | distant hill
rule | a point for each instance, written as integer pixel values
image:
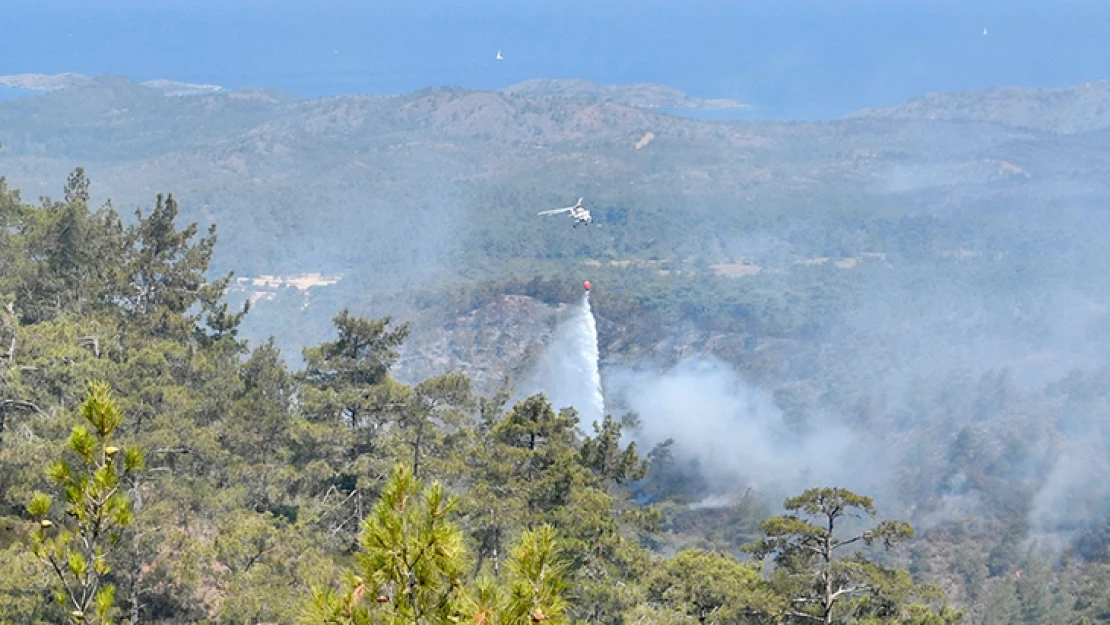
(42, 82)
(1075, 109)
(255, 161)
(54, 82)
(449, 180)
(640, 94)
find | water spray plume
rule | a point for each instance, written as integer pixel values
(568, 371)
(591, 356)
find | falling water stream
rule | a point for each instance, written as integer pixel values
(587, 344)
(568, 371)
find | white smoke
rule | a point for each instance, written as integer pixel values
(716, 502)
(567, 371)
(1072, 492)
(738, 435)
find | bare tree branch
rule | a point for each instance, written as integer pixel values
(94, 341)
(5, 404)
(848, 591)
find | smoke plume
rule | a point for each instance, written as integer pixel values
(738, 435)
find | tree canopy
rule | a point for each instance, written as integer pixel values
(157, 468)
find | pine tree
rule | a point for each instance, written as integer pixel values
(166, 268)
(412, 562)
(710, 587)
(537, 580)
(604, 456)
(431, 420)
(78, 255)
(810, 571)
(77, 550)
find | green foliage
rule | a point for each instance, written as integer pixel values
(361, 356)
(604, 456)
(823, 584)
(79, 254)
(712, 588)
(530, 590)
(262, 482)
(432, 422)
(536, 580)
(413, 569)
(93, 489)
(412, 560)
(350, 402)
(26, 587)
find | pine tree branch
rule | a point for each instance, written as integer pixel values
(841, 543)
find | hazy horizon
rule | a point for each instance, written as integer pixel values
(790, 60)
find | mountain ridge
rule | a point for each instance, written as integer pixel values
(371, 167)
(1066, 110)
(646, 95)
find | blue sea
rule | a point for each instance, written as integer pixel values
(787, 59)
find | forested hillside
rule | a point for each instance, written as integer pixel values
(908, 304)
(156, 469)
(395, 193)
(458, 175)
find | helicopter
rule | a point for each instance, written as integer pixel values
(579, 213)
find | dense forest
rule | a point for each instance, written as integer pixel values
(156, 469)
(925, 352)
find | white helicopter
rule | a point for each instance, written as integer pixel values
(578, 212)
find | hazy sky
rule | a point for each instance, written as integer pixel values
(788, 58)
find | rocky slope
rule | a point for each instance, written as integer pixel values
(501, 338)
